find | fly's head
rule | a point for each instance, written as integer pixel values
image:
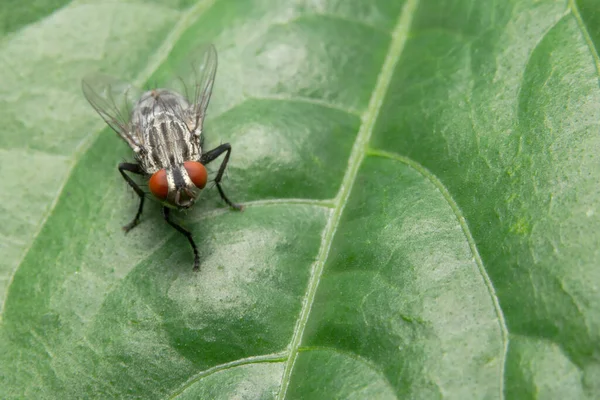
(178, 185)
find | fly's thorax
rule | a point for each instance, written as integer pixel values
(167, 142)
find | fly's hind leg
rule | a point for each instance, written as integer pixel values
(135, 169)
(210, 156)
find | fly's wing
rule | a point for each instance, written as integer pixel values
(194, 78)
(114, 101)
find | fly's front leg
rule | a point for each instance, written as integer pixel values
(210, 156)
(135, 169)
(184, 232)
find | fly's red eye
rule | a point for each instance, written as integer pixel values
(196, 172)
(158, 184)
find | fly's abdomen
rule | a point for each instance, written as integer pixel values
(154, 102)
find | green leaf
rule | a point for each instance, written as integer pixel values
(420, 181)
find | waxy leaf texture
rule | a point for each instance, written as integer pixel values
(421, 182)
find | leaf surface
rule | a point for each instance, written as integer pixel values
(421, 189)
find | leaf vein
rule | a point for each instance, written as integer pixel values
(357, 357)
(399, 37)
(308, 100)
(470, 240)
(267, 358)
(586, 34)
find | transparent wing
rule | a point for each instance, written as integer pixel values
(194, 78)
(114, 101)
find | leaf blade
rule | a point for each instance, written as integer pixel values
(475, 127)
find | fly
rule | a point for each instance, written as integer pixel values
(164, 129)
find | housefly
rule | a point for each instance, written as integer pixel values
(163, 127)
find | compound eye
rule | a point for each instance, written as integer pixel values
(197, 173)
(158, 184)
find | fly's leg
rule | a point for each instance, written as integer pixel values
(135, 169)
(210, 156)
(184, 232)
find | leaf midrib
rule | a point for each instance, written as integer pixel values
(399, 36)
(360, 149)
